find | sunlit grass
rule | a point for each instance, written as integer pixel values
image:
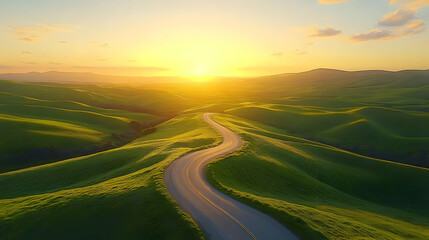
(122, 189)
(320, 191)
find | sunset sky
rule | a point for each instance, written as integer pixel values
(222, 37)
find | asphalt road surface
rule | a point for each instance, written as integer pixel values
(219, 216)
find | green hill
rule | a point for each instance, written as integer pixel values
(395, 135)
(48, 122)
(116, 194)
(321, 191)
(331, 154)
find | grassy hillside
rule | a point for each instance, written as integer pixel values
(116, 194)
(376, 113)
(321, 191)
(122, 97)
(48, 122)
(406, 90)
(395, 135)
(84, 77)
(331, 154)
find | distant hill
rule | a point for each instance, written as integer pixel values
(348, 78)
(412, 78)
(83, 77)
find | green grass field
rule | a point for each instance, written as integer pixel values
(375, 113)
(40, 120)
(373, 131)
(348, 161)
(114, 194)
(320, 191)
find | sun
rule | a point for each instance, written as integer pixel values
(201, 73)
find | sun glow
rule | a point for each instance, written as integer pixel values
(200, 71)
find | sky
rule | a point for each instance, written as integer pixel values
(218, 37)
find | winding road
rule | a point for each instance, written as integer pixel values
(219, 216)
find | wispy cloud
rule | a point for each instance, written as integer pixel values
(397, 18)
(277, 54)
(375, 34)
(28, 63)
(100, 44)
(261, 68)
(411, 28)
(403, 21)
(10, 67)
(331, 1)
(26, 52)
(303, 50)
(120, 68)
(36, 31)
(300, 52)
(408, 4)
(414, 27)
(327, 31)
(411, 4)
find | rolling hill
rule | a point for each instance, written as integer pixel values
(331, 154)
(376, 113)
(390, 134)
(48, 122)
(84, 77)
(320, 191)
(112, 194)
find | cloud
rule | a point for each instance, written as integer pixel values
(397, 18)
(331, 1)
(411, 28)
(411, 4)
(258, 68)
(303, 50)
(28, 63)
(402, 17)
(414, 27)
(408, 4)
(9, 67)
(62, 42)
(300, 52)
(30, 39)
(137, 68)
(36, 32)
(375, 34)
(100, 44)
(55, 63)
(26, 52)
(325, 32)
(277, 54)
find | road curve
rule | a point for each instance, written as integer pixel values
(219, 216)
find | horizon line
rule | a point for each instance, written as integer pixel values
(213, 76)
